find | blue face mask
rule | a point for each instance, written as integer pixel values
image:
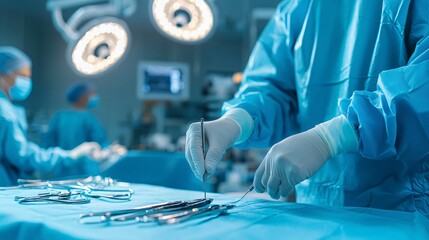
(93, 102)
(21, 89)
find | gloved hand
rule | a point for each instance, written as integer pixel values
(298, 157)
(88, 149)
(219, 135)
(108, 156)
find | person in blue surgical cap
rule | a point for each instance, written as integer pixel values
(72, 127)
(340, 91)
(20, 158)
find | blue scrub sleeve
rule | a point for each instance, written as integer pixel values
(26, 155)
(97, 133)
(393, 121)
(268, 91)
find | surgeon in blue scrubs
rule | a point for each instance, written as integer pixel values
(71, 127)
(20, 158)
(339, 90)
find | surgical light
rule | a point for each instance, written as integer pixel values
(95, 42)
(100, 47)
(185, 21)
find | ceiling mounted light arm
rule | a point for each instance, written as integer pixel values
(69, 29)
(113, 8)
(66, 32)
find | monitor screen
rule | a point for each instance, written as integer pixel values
(163, 81)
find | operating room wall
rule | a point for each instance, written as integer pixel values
(117, 88)
(21, 31)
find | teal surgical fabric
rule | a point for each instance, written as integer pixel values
(252, 219)
(373, 55)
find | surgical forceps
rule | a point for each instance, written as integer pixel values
(138, 212)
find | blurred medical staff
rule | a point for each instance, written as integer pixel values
(368, 149)
(70, 127)
(20, 158)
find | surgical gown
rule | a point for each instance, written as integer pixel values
(69, 128)
(20, 158)
(373, 56)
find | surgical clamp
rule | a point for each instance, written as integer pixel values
(132, 213)
(152, 215)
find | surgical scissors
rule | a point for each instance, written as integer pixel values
(105, 216)
(153, 214)
(133, 213)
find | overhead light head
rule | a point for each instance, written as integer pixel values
(102, 43)
(185, 21)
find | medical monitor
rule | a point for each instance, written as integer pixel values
(163, 81)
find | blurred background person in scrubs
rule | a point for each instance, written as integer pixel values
(339, 91)
(20, 158)
(71, 127)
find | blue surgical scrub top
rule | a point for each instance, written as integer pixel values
(20, 158)
(70, 128)
(373, 55)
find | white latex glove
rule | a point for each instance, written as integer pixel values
(219, 135)
(87, 149)
(298, 157)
